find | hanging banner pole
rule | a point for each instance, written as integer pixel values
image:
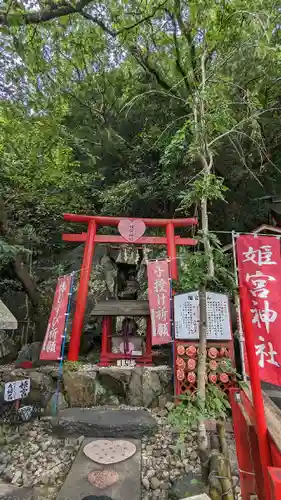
(238, 308)
(67, 314)
(261, 425)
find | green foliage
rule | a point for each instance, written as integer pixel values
(102, 117)
(8, 252)
(188, 411)
(193, 271)
(72, 366)
(210, 187)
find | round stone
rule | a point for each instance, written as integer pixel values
(109, 452)
(155, 483)
(103, 478)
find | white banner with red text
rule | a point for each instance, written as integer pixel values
(159, 301)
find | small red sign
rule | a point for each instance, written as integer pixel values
(51, 348)
(131, 229)
(159, 301)
(259, 269)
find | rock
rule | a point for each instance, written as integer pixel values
(134, 391)
(58, 401)
(146, 483)
(32, 434)
(29, 352)
(14, 438)
(45, 493)
(113, 400)
(97, 422)
(80, 387)
(193, 456)
(17, 478)
(8, 348)
(151, 387)
(187, 485)
(155, 483)
(115, 380)
(169, 406)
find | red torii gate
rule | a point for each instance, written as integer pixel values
(91, 237)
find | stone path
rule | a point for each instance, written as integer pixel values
(128, 486)
(110, 423)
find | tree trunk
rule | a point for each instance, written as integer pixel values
(205, 231)
(26, 280)
(202, 439)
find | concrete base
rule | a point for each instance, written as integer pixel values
(128, 487)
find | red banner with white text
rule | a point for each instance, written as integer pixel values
(159, 301)
(51, 348)
(259, 271)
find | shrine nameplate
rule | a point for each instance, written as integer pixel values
(131, 229)
(187, 317)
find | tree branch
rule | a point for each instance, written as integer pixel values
(145, 63)
(178, 55)
(42, 16)
(186, 31)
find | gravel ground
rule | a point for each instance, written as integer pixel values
(163, 462)
(31, 456)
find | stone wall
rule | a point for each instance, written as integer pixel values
(91, 385)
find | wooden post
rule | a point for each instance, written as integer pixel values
(82, 293)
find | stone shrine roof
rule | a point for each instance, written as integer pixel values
(7, 319)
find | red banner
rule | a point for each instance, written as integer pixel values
(159, 301)
(259, 270)
(51, 348)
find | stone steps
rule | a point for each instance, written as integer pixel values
(104, 422)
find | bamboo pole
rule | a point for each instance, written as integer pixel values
(215, 487)
(225, 480)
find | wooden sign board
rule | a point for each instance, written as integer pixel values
(187, 318)
(126, 362)
(16, 390)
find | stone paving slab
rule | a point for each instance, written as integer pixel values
(98, 422)
(128, 487)
(10, 492)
